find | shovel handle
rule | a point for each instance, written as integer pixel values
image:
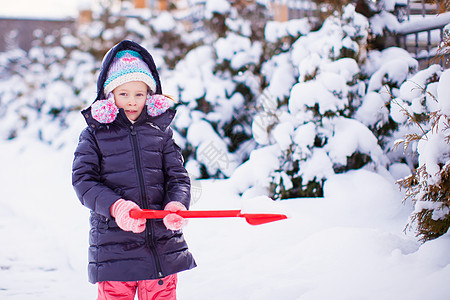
(148, 214)
(252, 219)
(160, 214)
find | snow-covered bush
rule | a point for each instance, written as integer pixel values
(104, 31)
(274, 106)
(215, 86)
(171, 38)
(443, 50)
(303, 114)
(217, 83)
(426, 106)
(215, 16)
(410, 109)
(41, 87)
(44, 87)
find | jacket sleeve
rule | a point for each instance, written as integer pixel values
(86, 178)
(177, 181)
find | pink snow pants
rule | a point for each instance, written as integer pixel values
(147, 289)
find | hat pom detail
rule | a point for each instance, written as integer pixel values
(105, 111)
(157, 104)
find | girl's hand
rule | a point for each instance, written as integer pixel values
(174, 221)
(120, 210)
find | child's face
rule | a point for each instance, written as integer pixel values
(131, 96)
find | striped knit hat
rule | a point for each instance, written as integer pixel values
(128, 66)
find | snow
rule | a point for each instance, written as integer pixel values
(396, 65)
(382, 21)
(443, 92)
(211, 149)
(412, 88)
(277, 30)
(282, 134)
(255, 171)
(318, 167)
(347, 68)
(435, 151)
(372, 110)
(260, 125)
(238, 50)
(322, 92)
(164, 22)
(216, 6)
(343, 246)
(348, 244)
(426, 23)
(280, 73)
(351, 136)
(43, 8)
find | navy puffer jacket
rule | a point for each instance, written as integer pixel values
(138, 162)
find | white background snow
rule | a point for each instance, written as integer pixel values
(43, 8)
(350, 244)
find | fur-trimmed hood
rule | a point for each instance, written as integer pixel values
(108, 59)
(104, 111)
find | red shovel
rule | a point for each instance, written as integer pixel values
(252, 219)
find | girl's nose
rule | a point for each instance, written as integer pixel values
(132, 102)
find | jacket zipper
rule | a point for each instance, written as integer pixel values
(148, 228)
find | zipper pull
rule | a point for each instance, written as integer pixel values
(161, 276)
(133, 132)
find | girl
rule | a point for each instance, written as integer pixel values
(127, 159)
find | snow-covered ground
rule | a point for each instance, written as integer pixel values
(348, 245)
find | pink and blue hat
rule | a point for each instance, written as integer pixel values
(128, 66)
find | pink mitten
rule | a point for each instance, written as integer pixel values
(174, 221)
(121, 211)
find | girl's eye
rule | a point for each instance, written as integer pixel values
(123, 94)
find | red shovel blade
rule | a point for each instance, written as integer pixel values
(258, 219)
(252, 219)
